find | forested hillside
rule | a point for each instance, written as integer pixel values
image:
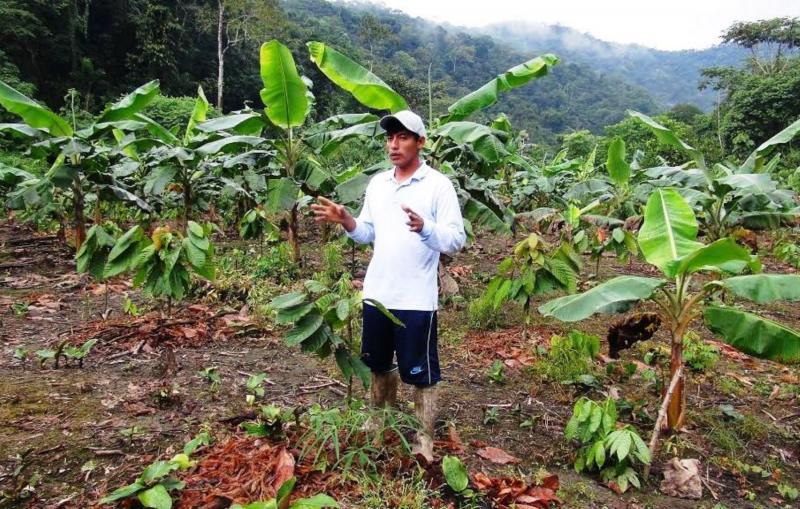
(102, 48)
(670, 77)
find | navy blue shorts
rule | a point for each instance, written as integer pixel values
(415, 345)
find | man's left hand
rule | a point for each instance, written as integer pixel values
(415, 222)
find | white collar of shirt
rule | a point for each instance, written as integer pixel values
(418, 174)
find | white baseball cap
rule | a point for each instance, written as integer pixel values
(407, 120)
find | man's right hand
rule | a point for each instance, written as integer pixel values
(327, 211)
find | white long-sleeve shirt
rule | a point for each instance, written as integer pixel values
(403, 272)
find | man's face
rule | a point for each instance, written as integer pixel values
(403, 148)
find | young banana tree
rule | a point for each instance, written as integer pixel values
(457, 146)
(668, 240)
(186, 164)
(728, 194)
(80, 159)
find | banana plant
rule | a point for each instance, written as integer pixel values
(162, 262)
(187, 164)
(730, 195)
(534, 268)
(457, 147)
(80, 158)
(93, 255)
(668, 241)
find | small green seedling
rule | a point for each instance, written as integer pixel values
(491, 416)
(79, 353)
(281, 500)
(211, 374)
(254, 388)
(129, 307)
(496, 372)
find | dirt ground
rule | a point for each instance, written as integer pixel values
(71, 435)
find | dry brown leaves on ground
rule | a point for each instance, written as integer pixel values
(244, 469)
(506, 345)
(191, 326)
(506, 492)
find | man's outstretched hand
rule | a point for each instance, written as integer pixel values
(327, 211)
(415, 222)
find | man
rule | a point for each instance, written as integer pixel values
(411, 214)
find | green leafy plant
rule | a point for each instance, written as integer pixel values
(79, 353)
(211, 374)
(152, 488)
(129, 307)
(269, 423)
(340, 438)
(787, 251)
(496, 372)
(570, 357)
(254, 387)
(81, 158)
(162, 262)
(788, 491)
(535, 268)
(281, 500)
(322, 323)
(729, 194)
(457, 478)
(699, 355)
(668, 240)
(603, 447)
(491, 415)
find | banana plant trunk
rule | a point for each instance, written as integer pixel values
(80, 220)
(677, 404)
(187, 203)
(292, 234)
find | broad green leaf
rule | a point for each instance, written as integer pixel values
(160, 132)
(287, 300)
(487, 95)
(724, 254)
(120, 493)
(202, 438)
(198, 115)
(156, 470)
(367, 88)
(482, 140)
(479, 214)
(455, 473)
(388, 314)
(248, 124)
(294, 313)
(281, 194)
(622, 289)
(131, 104)
(755, 160)
(285, 490)
(318, 501)
(669, 231)
(34, 114)
(24, 129)
(754, 335)
(666, 136)
(229, 144)
(352, 190)
(749, 183)
(763, 288)
(156, 497)
(303, 329)
(767, 219)
(284, 92)
(618, 169)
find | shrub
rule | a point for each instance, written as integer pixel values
(699, 355)
(605, 448)
(174, 112)
(570, 357)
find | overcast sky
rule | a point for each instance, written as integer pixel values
(672, 25)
